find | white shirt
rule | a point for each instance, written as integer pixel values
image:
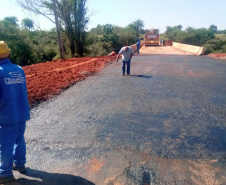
(126, 55)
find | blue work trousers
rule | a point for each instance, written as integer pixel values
(138, 47)
(12, 147)
(126, 64)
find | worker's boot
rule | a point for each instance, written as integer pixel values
(11, 183)
(7, 180)
(19, 169)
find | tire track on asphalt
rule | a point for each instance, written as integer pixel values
(202, 172)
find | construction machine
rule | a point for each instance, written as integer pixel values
(152, 38)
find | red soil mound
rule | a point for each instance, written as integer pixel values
(218, 55)
(49, 78)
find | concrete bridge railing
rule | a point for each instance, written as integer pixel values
(190, 48)
(134, 46)
(197, 50)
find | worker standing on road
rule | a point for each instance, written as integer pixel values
(138, 45)
(127, 53)
(14, 112)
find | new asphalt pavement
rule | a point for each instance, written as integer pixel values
(163, 124)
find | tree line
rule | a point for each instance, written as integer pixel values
(198, 37)
(30, 46)
(71, 38)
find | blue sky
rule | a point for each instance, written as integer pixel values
(155, 13)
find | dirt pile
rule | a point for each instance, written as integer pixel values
(49, 78)
(218, 55)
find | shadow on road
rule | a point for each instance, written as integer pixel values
(142, 76)
(45, 178)
(146, 178)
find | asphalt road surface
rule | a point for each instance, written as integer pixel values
(164, 124)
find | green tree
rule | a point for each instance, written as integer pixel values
(28, 47)
(127, 36)
(42, 7)
(190, 36)
(221, 32)
(110, 39)
(197, 37)
(94, 45)
(171, 30)
(13, 20)
(44, 45)
(80, 21)
(98, 30)
(137, 25)
(213, 28)
(73, 16)
(216, 45)
(28, 23)
(18, 41)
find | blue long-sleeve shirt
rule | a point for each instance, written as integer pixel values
(14, 105)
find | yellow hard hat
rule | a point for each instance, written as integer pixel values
(4, 49)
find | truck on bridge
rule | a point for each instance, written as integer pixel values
(152, 38)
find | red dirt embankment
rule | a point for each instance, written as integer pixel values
(218, 55)
(49, 78)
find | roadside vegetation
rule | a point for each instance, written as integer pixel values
(211, 39)
(30, 46)
(70, 38)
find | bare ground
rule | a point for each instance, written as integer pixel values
(49, 78)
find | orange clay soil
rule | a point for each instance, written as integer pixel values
(49, 78)
(218, 55)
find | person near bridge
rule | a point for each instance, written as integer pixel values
(138, 45)
(127, 53)
(14, 112)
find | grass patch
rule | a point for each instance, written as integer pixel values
(220, 35)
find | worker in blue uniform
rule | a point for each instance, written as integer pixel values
(14, 112)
